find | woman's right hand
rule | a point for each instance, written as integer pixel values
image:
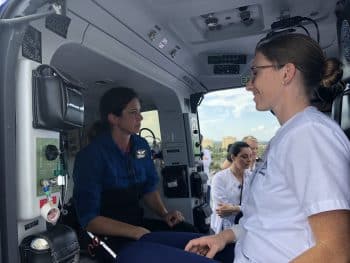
(140, 231)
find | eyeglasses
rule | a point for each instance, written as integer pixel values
(254, 70)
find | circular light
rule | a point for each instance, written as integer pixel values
(39, 244)
(211, 21)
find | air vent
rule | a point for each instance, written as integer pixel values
(58, 24)
(227, 59)
(31, 44)
(226, 69)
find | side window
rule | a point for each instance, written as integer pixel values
(229, 115)
(150, 127)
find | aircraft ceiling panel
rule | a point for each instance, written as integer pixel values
(178, 35)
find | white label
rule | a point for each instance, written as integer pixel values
(172, 184)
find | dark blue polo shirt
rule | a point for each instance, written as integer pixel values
(102, 166)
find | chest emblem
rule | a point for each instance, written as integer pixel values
(141, 153)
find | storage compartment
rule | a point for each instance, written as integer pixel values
(175, 181)
(199, 184)
(57, 102)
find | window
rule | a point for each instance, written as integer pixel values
(150, 124)
(229, 115)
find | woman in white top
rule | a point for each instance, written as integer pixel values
(253, 144)
(226, 188)
(298, 205)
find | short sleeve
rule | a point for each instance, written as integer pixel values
(87, 185)
(317, 168)
(237, 230)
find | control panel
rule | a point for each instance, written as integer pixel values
(192, 138)
(48, 166)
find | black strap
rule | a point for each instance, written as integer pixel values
(240, 197)
(240, 214)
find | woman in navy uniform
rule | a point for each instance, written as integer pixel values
(115, 171)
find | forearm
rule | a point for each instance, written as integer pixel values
(155, 203)
(107, 226)
(225, 210)
(331, 230)
(322, 253)
(228, 236)
(233, 209)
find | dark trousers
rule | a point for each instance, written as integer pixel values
(159, 247)
(154, 225)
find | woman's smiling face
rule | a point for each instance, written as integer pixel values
(265, 83)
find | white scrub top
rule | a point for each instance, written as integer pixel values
(305, 171)
(206, 163)
(226, 189)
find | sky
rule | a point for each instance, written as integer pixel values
(2, 2)
(232, 113)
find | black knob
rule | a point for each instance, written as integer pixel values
(197, 144)
(51, 152)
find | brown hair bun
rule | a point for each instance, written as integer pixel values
(333, 72)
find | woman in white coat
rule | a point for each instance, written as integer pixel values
(228, 185)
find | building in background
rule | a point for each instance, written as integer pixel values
(226, 141)
(207, 143)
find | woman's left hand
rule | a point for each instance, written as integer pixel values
(224, 210)
(173, 217)
(207, 246)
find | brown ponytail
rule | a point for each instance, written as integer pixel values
(330, 85)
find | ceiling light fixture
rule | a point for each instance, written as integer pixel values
(245, 15)
(212, 22)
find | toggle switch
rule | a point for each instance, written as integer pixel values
(51, 152)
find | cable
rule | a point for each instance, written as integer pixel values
(149, 130)
(156, 148)
(154, 137)
(23, 19)
(288, 25)
(65, 173)
(305, 29)
(316, 26)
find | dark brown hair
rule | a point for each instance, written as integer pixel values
(235, 148)
(308, 57)
(112, 101)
